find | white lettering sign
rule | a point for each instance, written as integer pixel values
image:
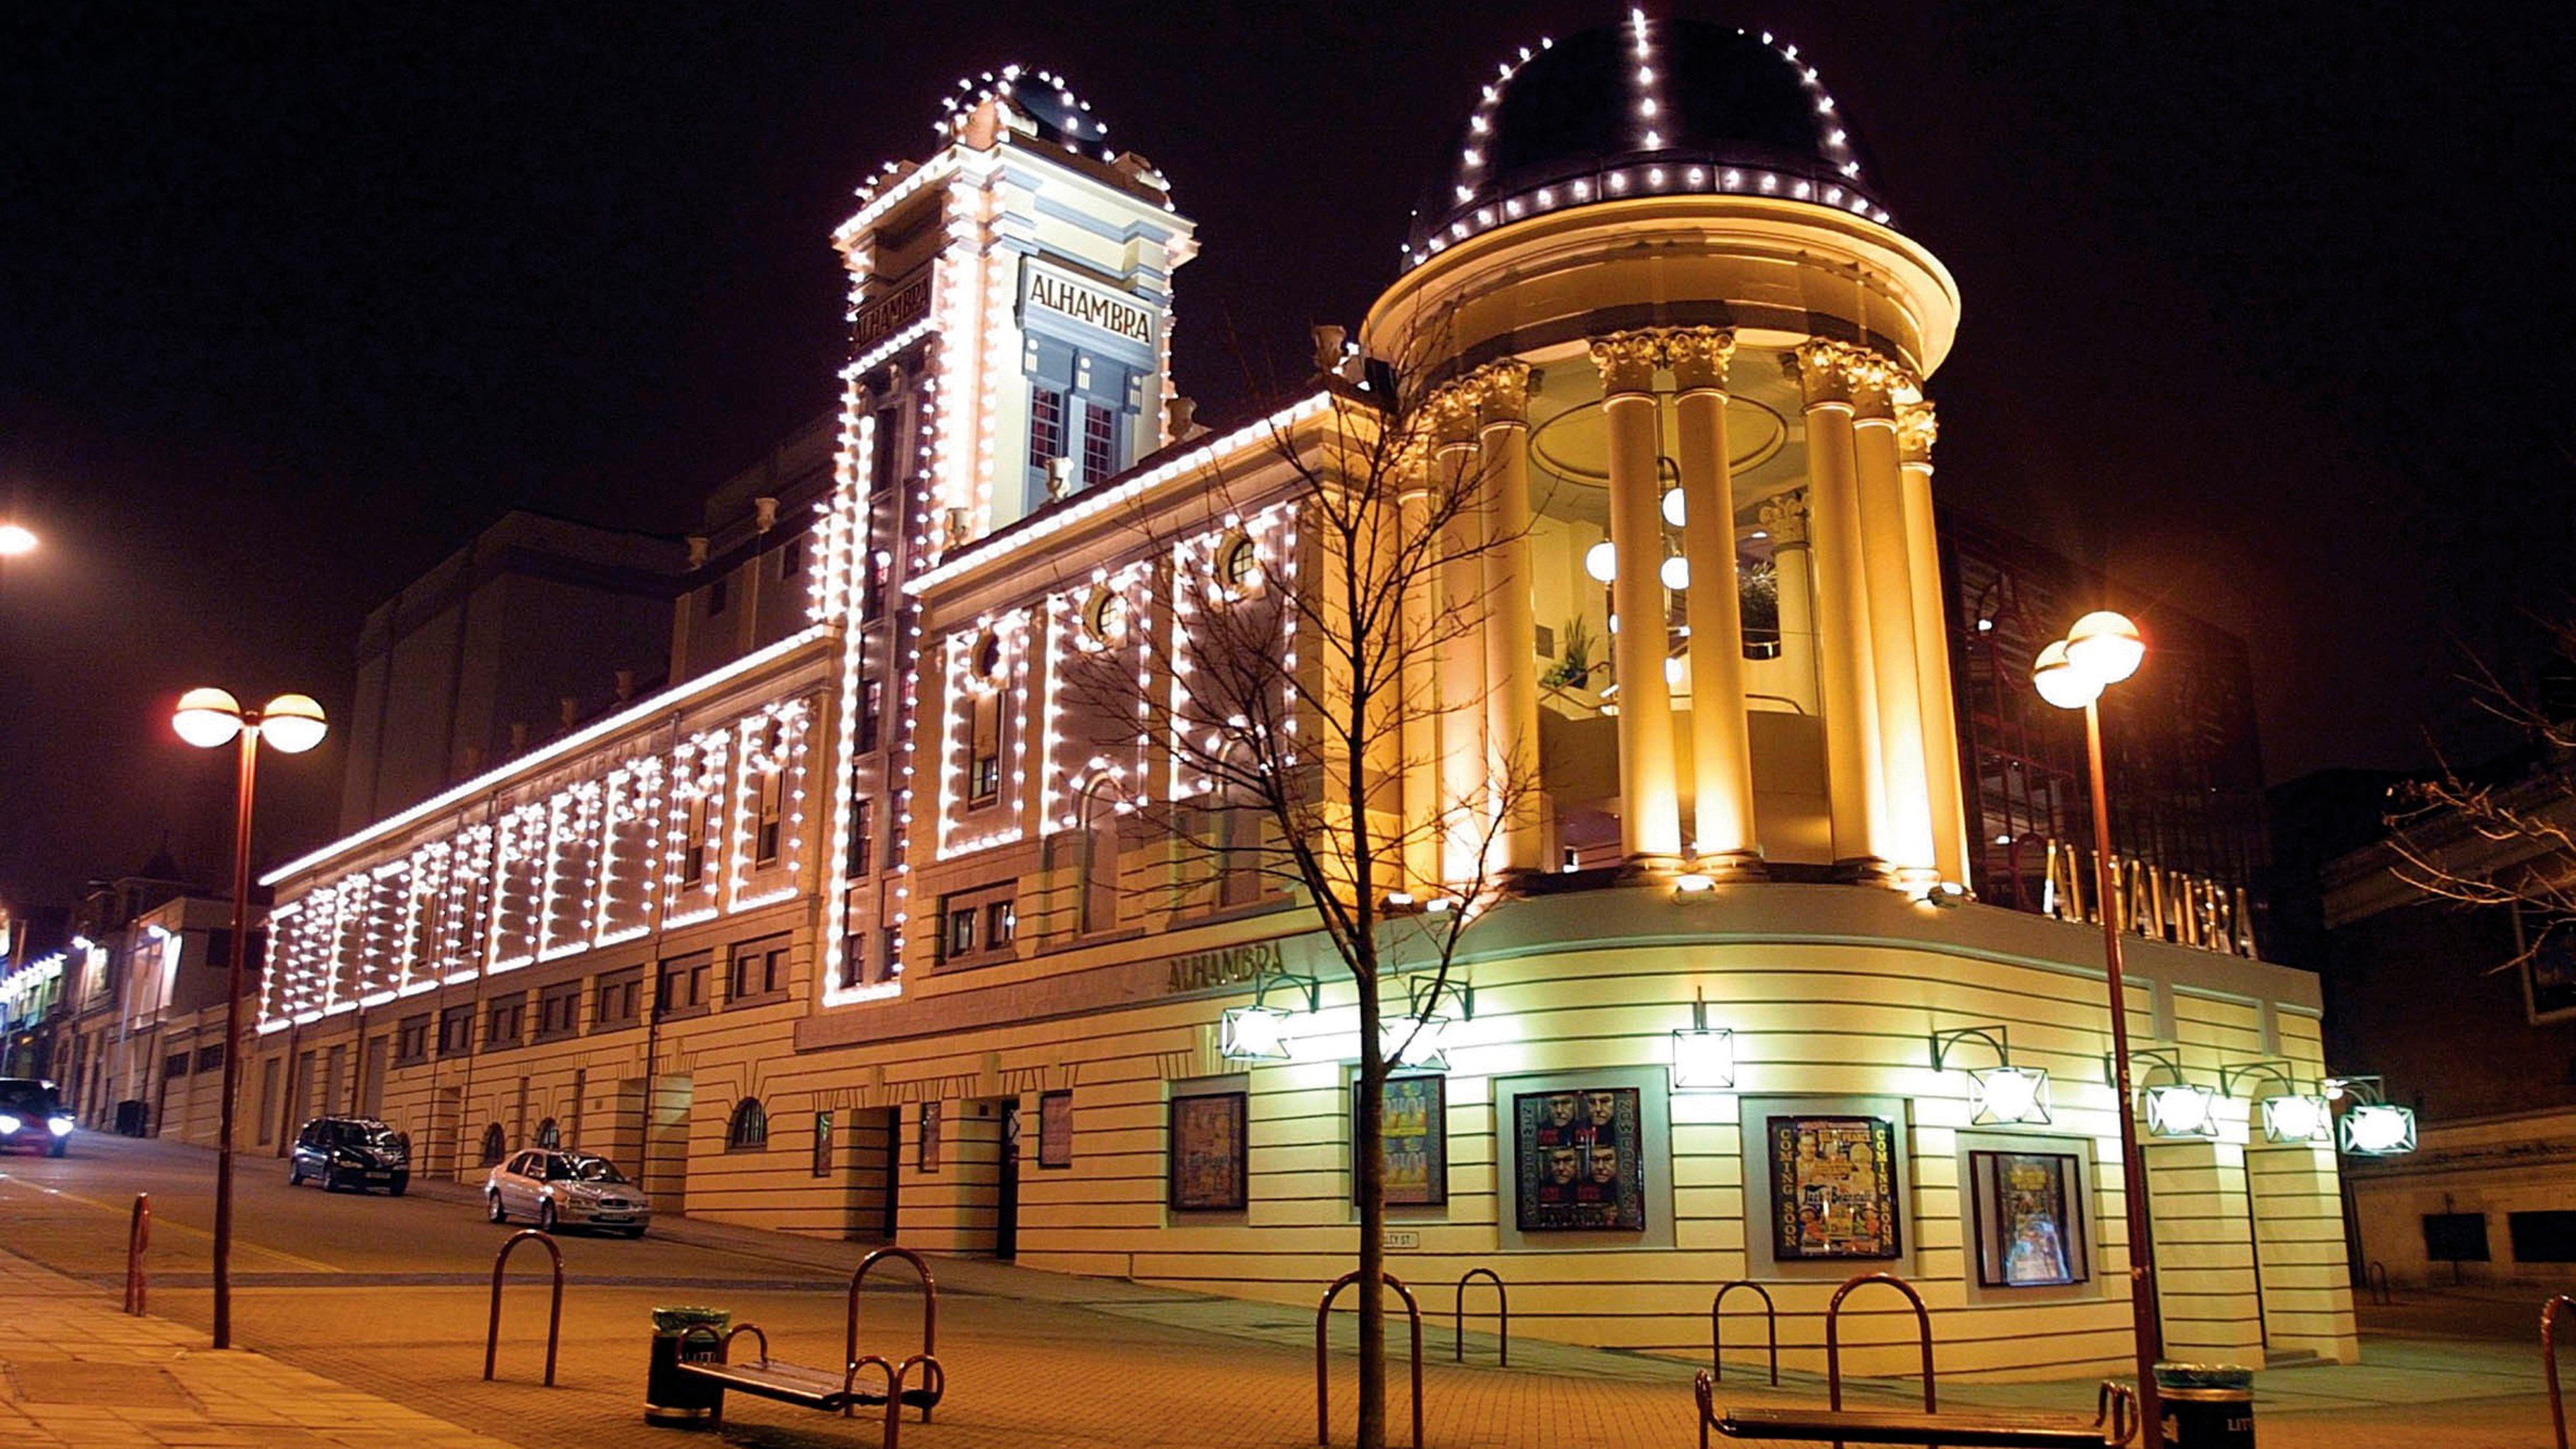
(1069, 296)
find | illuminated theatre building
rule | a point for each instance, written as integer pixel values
(867, 931)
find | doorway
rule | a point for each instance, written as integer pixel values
(1006, 1219)
(868, 1191)
(371, 1095)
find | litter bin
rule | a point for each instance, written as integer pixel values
(2207, 1405)
(671, 1397)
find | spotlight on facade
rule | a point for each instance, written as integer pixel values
(1601, 561)
(1703, 1055)
(1692, 883)
(2181, 1109)
(2002, 1093)
(2297, 1117)
(1252, 1034)
(1947, 894)
(2378, 1129)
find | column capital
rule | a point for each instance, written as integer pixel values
(1837, 372)
(1627, 361)
(1785, 519)
(1698, 357)
(1502, 393)
(1916, 430)
(1451, 413)
(1824, 372)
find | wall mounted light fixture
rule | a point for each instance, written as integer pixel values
(1259, 1032)
(1703, 1055)
(2289, 1115)
(2002, 1093)
(2372, 1126)
(2178, 1107)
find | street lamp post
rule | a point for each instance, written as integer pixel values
(2102, 649)
(210, 719)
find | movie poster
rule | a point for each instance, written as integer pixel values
(1208, 1152)
(2029, 1231)
(1413, 1142)
(1055, 1129)
(1833, 1188)
(1581, 1160)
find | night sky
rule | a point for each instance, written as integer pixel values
(2265, 309)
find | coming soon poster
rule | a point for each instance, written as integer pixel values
(1833, 1188)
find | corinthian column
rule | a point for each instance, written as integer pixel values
(1855, 782)
(1915, 430)
(1721, 752)
(1456, 475)
(1650, 816)
(1511, 635)
(1887, 562)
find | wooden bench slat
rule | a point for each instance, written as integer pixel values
(1999, 1430)
(797, 1384)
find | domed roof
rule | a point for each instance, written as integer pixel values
(1045, 99)
(1644, 107)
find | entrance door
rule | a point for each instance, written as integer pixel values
(371, 1095)
(1006, 1222)
(875, 1146)
(666, 1143)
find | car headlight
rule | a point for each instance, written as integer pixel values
(9, 1124)
(59, 1126)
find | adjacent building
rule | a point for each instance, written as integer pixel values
(918, 903)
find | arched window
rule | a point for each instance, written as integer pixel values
(548, 1134)
(1099, 902)
(748, 1129)
(494, 1145)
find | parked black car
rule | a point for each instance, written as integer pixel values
(358, 1152)
(32, 1115)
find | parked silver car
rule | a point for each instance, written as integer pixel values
(566, 1189)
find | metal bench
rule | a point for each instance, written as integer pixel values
(813, 1388)
(2114, 1424)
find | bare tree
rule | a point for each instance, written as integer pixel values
(1295, 692)
(2501, 838)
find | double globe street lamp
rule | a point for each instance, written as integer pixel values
(2102, 649)
(211, 719)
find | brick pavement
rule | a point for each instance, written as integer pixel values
(1036, 1361)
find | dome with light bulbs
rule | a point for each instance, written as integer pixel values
(1645, 107)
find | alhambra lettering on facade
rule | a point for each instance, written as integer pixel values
(2160, 904)
(891, 313)
(1055, 292)
(1203, 969)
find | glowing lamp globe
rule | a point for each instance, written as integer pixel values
(1676, 573)
(1674, 511)
(16, 540)
(207, 718)
(2378, 1129)
(2296, 1118)
(1423, 1048)
(292, 723)
(1253, 1034)
(2181, 1111)
(2105, 646)
(2008, 1094)
(1601, 561)
(2060, 682)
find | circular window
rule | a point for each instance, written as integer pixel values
(1104, 617)
(988, 658)
(1238, 564)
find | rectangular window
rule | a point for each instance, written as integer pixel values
(791, 558)
(693, 842)
(872, 595)
(1001, 922)
(174, 1065)
(959, 938)
(1046, 427)
(456, 1030)
(889, 953)
(984, 777)
(871, 714)
(411, 1040)
(505, 1020)
(770, 823)
(1099, 444)
(881, 461)
(559, 1010)
(681, 989)
(863, 838)
(717, 597)
(2455, 1237)
(621, 999)
(210, 1057)
(2543, 1237)
(759, 971)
